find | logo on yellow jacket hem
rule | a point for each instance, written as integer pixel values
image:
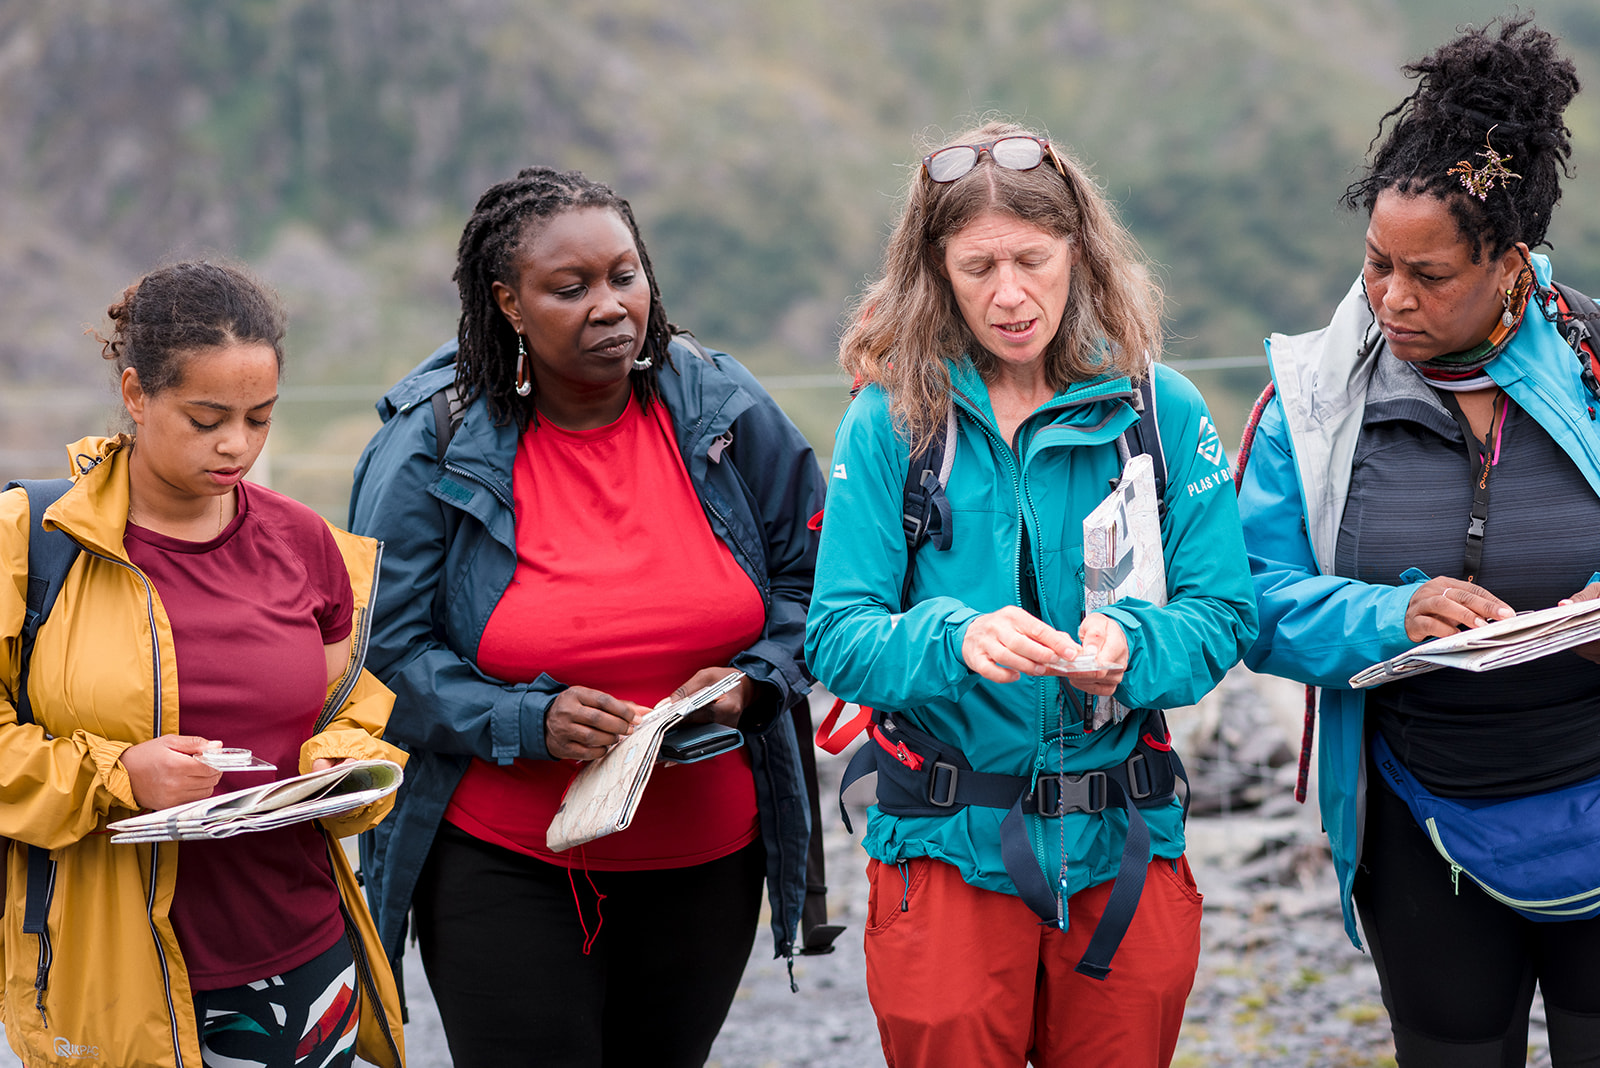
(64, 1048)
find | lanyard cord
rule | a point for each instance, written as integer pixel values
(1485, 458)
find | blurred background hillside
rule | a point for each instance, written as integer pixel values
(337, 146)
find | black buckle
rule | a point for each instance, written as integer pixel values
(947, 797)
(1069, 793)
(1139, 784)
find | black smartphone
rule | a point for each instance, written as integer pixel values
(688, 742)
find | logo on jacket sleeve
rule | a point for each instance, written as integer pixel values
(838, 472)
(1210, 444)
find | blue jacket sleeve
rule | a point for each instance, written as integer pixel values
(1178, 652)
(443, 703)
(1315, 628)
(859, 642)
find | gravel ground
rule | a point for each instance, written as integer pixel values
(1279, 983)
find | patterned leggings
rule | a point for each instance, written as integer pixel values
(304, 1018)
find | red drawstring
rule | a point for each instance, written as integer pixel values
(599, 920)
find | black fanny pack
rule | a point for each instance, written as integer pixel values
(906, 772)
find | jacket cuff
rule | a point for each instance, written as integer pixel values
(349, 744)
(516, 726)
(107, 757)
(762, 709)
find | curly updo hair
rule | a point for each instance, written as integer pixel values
(506, 216)
(177, 310)
(1503, 91)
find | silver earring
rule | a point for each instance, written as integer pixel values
(644, 363)
(1506, 318)
(524, 382)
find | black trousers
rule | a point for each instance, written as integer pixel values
(1458, 968)
(503, 939)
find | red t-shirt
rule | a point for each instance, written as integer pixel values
(250, 612)
(620, 586)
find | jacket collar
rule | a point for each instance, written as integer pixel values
(1326, 378)
(94, 512)
(704, 400)
(1091, 405)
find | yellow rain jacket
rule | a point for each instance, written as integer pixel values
(115, 989)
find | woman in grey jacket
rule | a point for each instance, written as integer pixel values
(614, 520)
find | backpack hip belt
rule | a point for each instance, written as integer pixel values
(918, 775)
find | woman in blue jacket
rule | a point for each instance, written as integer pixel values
(1431, 462)
(1013, 303)
(617, 518)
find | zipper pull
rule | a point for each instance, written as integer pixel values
(1455, 879)
(1061, 903)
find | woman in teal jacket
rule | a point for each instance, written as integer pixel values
(1040, 367)
(1372, 524)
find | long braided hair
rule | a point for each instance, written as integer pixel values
(505, 216)
(1503, 92)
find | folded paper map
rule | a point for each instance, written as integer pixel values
(332, 792)
(1122, 558)
(604, 795)
(1525, 636)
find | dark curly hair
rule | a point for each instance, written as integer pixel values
(1504, 90)
(176, 310)
(505, 217)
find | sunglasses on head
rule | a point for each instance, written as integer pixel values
(1016, 152)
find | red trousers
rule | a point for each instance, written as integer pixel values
(962, 977)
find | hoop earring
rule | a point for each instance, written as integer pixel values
(644, 363)
(524, 382)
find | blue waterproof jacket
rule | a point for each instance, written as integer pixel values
(864, 648)
(759, 482)
(1319, 628)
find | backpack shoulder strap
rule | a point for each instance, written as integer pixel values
(1144, 437)
(1578, 319)
(925, 510)
(447, 413)
(688, 338)
(50, 557)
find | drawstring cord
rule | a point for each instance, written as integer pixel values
(599, 920)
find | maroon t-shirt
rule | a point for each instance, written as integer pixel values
(251, 611)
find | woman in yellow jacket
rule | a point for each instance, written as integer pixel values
(202, 610)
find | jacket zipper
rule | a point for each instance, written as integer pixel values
(361, 636)
(358, 659)
(485, 483)
(155, 849)
(739, 546)
(1024, 511)
(369, 984)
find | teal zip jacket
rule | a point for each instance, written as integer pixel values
(1319, 628)
(865, 649)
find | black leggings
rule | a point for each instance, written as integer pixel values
(503, 946)
(1458, 969)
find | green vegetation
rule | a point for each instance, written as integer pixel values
(338, 147)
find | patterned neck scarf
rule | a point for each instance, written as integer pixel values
(1459, 371)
